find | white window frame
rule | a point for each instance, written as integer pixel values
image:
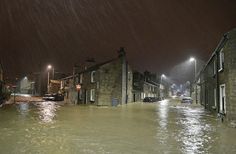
(221, 62)
(222, 96)
(92, 95)
(93, 76)
(214, 67)
(142, 95)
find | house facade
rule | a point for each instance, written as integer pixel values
(1, 84)
(217, 81)
(105, 84)
(145, 85)
(1, 72)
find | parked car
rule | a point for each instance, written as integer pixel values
(187, 100)
(54, 97)
(151, 99)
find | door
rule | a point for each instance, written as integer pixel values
(222, 99)
(85, 96)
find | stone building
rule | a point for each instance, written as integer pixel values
(217, 80)
(145, 85)
(1, 72)
(105, 84)
(1, 83)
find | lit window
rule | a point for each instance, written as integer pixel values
(221, 65)
(93, 76)
(92, 95)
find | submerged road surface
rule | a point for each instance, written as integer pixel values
(163, 127)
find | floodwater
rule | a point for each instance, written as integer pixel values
(163, 127)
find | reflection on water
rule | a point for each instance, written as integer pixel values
(163, 127)
(194, 133)
(163, 121)
(47, 111)
(163, 114)
(23, 108)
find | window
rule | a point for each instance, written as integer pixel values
(214, 68)
(92, 95)
(93, 76)
(222, 99)
(77, 80)
(142, 95)
(221, 64)
(81, 78)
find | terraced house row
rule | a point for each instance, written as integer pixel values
(217, 80)
(107, 84)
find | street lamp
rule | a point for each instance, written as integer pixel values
(161, 86)
(195, 65)
(163, 76)
(195, 74)
(49, 67)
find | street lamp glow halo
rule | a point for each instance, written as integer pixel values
(49, 67)
(192, 59)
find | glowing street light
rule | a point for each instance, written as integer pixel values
(195, 72)
(162, 86)
(192, 59)
(163, 76)
(49, 67)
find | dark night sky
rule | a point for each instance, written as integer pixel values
(157, 34)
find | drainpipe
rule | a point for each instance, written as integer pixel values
(217, 83)
(126, 91)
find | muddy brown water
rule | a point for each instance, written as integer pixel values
(163, 127)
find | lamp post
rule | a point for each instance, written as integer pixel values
(195, 74)
(162, 76)
(161, 92)
(49, 67)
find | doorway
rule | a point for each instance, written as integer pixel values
(85, 96)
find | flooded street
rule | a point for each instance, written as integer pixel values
(163, 127)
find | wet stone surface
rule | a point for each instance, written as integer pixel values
(163, 127)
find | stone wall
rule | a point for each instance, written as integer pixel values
(226, 76)
(130, 85)
(230, 62)
(110, 83)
